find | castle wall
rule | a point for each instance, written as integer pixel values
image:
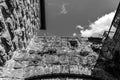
(19, 21)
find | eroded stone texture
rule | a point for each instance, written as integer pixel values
(51, 55)
(19, 20)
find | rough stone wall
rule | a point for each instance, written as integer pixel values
(49, 55)
(19, 20)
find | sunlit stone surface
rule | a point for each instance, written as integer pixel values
(48, 62)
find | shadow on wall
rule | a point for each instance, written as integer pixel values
(63, 75)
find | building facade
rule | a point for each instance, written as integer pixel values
(111, 41)
(111, 46)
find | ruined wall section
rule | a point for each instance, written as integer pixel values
(19, 20)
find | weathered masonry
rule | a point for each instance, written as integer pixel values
(19, 20)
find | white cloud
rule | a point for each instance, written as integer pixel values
(79, 27)
(63, 9)
(99, 26)
(74, 34)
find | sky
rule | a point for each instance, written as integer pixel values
(79, 17)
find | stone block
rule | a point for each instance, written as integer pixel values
(56, 69)
(18, 73)
(29, 71)
(63, 59)
(39, 70)
(17, 55)
(74, 69)
(47, 70)
(73, 60)
(64, 68)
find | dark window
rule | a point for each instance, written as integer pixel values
(73, 44)
(42, 15)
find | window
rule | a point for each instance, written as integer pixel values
(73, 44)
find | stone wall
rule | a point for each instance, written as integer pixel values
(19, 20)
(49, 55)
